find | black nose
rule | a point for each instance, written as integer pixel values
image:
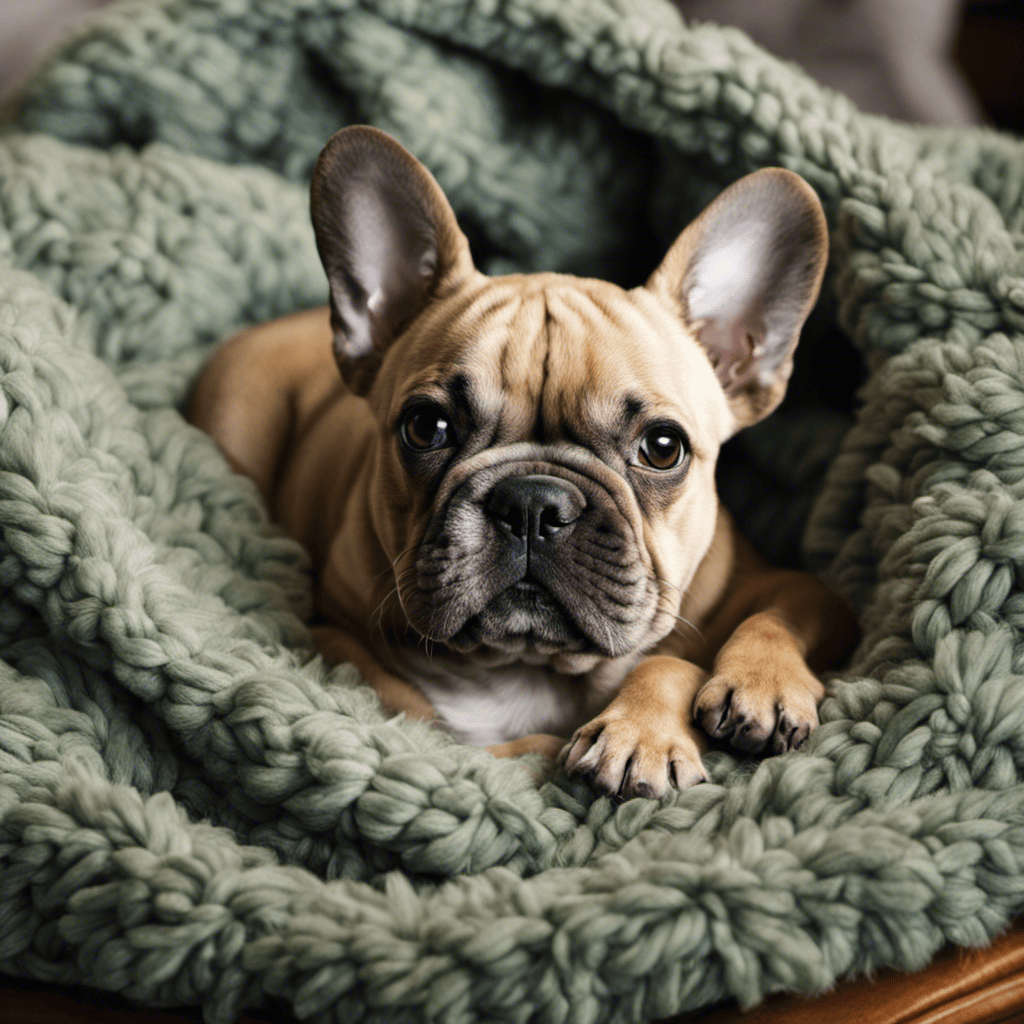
(534, 507)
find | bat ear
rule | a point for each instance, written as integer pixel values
(388, 240)
(744, 276)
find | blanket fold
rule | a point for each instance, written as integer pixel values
(195, 810)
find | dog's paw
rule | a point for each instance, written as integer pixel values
(758, 711)
(762, 697)
(624, 759)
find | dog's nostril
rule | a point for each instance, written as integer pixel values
(534, 506)
(550, 521)
(512, 516)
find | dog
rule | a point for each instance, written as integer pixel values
(509, 488)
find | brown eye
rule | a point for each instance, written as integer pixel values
(425, 428)
(662, 448)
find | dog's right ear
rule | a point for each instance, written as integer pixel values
(743, 277)
(388, 240)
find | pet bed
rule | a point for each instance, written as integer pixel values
(195, 810)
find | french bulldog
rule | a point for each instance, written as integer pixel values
(509, 488)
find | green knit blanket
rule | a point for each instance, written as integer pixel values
(195, 810)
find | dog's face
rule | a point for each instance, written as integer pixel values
(547, 460)
(543, 482)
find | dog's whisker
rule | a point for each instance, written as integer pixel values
(670, 586)
(378, 614)
(392, 567)
(687, 622)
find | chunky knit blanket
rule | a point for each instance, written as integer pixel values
(195, 810)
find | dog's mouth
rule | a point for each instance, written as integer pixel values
(524, 620)
(533, 559)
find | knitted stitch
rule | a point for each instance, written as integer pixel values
(194, 809)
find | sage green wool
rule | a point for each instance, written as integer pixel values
(193, 809)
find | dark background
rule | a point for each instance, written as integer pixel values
(989, 51)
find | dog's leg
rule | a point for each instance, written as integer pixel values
(773, 629)
(646, 738)
(259, 386)
(535, 743)
(778, 628)
(395, 694)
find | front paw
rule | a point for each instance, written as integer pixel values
(762, 697)
(760, 711)
(625, 759)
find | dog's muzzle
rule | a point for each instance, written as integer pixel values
(534, 557)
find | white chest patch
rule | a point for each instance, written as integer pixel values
(502, 703)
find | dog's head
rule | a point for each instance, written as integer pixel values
(543, 481)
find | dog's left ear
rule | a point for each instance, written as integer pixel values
(744, 275)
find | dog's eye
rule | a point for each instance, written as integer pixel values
(662, 448)
(425, 428)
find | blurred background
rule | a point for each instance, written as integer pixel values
(951, 62)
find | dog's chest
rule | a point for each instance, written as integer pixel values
(497, 704)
